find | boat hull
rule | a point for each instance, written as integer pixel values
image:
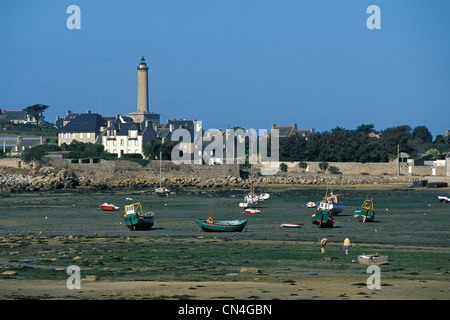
(364, 215)
(372, 259)
(252, 211)
(137, 223)
(444, 199)
(222, 226)
(162, 192)
(291, 225)
(322, 219)
(337, 208)
(109, 207)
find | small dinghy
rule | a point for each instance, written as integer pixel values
(368, 259)
(109, 207)
(291, 225)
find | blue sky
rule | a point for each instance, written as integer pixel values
(248, 63)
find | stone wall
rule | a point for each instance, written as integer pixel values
(112, 170)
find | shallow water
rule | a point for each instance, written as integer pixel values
(403, 217)
(411, 227)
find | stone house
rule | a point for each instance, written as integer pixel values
(84, 127)
(287, 131)
(23, 144)
(17, 116)
(127, 137)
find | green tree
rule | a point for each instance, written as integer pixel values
(422, 134)
(366, 128)
(80, 150)
(33, 154)
(391, 137)
(36, 110)
(323, 166)
(152, 149)
(283, 167)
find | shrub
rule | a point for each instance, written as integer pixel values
(334, 170)
(323, 166)
(283, 167)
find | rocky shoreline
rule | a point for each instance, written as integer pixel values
(49, 178)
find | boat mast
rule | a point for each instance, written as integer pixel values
(160, 155)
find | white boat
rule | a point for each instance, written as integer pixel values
(263, 196)
(337, 206)
(291, 225)
(161, 191)
(252, 211)
(368, 259)
(311, 204)
(248, 204)
(444, 199)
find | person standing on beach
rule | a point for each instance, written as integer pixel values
(347, 245)
(323, 243)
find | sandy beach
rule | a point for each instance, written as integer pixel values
(304, 287)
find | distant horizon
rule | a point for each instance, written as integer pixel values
(233, 63)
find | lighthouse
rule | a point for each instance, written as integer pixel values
(142, 87)
(142, 113)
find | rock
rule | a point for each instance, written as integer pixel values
(91, 277)
(250, 270)
(9, 273)
(62, 175)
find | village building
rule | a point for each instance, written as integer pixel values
(17, 116)
(287, 131)
(127, 137)
(23, 144)
(84, 127)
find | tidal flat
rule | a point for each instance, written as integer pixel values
(41, 234)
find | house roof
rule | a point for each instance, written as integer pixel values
(122, 129)
(15, 114)
(84, 122)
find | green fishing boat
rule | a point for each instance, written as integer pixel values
(136, 219)
(212, 225)
(366, 212)
(323, 216)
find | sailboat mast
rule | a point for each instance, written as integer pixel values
(160, 156)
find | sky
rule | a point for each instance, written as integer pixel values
(247, 63)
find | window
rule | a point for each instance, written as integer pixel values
(88, 135)
(133, 133)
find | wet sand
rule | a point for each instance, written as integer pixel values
(302, 288)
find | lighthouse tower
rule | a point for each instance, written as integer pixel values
(142, 87)
(143, 114)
